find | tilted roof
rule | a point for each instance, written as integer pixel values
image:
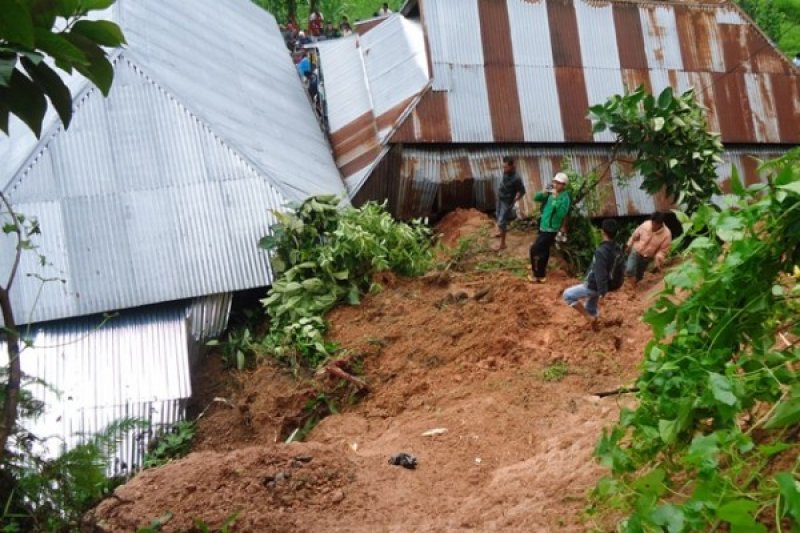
(161, 191)
(370, 82)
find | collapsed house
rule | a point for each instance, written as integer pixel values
(151, 206)
(516, 77)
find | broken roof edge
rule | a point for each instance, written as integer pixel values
(386, 142)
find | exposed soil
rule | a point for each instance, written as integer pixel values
(463, 352)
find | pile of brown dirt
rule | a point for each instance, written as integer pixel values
(474, 355)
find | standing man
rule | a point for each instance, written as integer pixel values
(509, 192)
(651, 240)
(384, 11)
(596, 285)
(555, 207)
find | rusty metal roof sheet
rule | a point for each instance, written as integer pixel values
(370, 81)
(436, 179)
(551, 59)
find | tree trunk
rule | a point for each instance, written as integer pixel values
(291, 8)
(11, 399)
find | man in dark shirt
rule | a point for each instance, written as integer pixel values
(508, 194)
(596, 286)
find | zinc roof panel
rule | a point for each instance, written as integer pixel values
(595, 25)
(661, 38)
(539, 103)
(470, 117)
(530, 33)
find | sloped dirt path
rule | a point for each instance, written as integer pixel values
(463, 352)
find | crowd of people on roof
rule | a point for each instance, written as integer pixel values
(305, 58)
(317, 29)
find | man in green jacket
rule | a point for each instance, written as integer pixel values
(555, 207)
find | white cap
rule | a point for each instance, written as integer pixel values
(561, 178)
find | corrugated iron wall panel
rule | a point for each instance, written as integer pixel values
(501, 79)
(471, 174)
(661, 40)
(600, 54)
(93, 372)
(530, 33)
(208, 316)
(450, 44)
(150, 232)
(470, 116)
(539, 103)
(762, 101)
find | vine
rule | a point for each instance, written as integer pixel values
(713, 439)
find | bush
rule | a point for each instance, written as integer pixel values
(323, 255)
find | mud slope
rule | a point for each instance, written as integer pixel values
(464, 352)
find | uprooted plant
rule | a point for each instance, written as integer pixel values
(323, 255)
(713, 441)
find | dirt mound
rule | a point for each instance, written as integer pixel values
(501, 368)
(260, 485)
(461, 223)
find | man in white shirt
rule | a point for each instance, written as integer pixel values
(384, 11)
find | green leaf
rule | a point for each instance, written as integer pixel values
(668, 430)
(787, 412)
(89, 5)
(16, 23)
(99, 70)
(101, 32)
(665, 98)
(737, 187)
(790, 495)
(722, 389)
(7, 65)
(668, 516)
(25, 100)
(793, 187)
(740, 514)
(65, 54)
(50, 82)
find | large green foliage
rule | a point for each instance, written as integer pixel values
(52, 494)
(719, 393)
(767, 15)
(27, 37)
(322, 255)
(673, 150)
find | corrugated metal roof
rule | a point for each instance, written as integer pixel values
(161, 191)
(369, 82)
(470, 175)
(592, 50)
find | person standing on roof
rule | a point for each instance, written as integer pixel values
(650, 241)
(315, 22)
(384, 11)
(597, 281)
(510, 191)
(555, 207)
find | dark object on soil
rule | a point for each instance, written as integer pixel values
(621, 390)
(406, 460)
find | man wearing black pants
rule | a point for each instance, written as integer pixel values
(555, 207)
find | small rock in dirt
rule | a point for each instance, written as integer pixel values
(303, 458)
(479, 295)
(434, 432)
(337, 496)
(406, 460)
